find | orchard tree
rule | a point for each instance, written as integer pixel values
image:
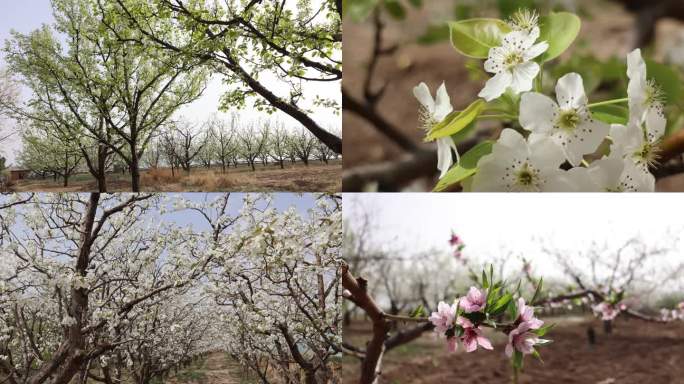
(47, 152)
(303, 145)
(276, 282)
(278, 143)
(225, 140)
(251, 143)
(296, 44)
(189, 143)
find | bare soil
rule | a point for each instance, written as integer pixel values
(317, 177)
(635, 353)
(217, 368)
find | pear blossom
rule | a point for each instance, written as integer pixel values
(526, 315)
(613, 174)
(444, 318)
(568, 123)
(474, 301)
(434, 111)
(645, 97)
(520, 165)
(511, 63)
(472, 335)
(520, 339)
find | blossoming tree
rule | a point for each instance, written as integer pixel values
(97, 287)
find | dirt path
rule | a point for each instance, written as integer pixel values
(636, 353)
(218, 368)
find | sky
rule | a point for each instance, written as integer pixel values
(418, 222)
(26, 16)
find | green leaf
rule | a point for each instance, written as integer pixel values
(395, 9)
(491, 272)
(418, 312)
(559, 30)
(416, 3)
(485, 282)
(512, 309)
(456, 121)
(543, 330)
(475, 37)
(501, 304)
(466, 167)
(536, 354)
(611, 114)
(537, 291)
(667, 79)
(358, 10)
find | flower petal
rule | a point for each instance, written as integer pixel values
(584, 140)
(605, 173)
(442, 103)
(535, 50)
(570, 91)
(655, 123)
(422, 93)
(537, 112)
(496, 86)
(444, 158)
(523, 76)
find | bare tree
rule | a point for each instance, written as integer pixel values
(278, 143)
(304, 143)
(190, 142)
(225, 146)
(251, 144)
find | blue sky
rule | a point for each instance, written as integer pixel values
(281, 201)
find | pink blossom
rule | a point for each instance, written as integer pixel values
(606, 310)
(526, 315)
(520, 339)
(472, 336)
(458, 254)
(443, 319)
(452, 346)
(474, 301)
(454, 240)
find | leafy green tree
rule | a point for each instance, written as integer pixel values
(250, 44)
(47, 152)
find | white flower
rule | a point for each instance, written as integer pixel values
(612, 174)
(569, 123)
(434, 111)
(516, 165)
(645, 97)
(511, 63)
(629, 143)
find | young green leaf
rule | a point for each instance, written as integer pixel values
(466, 167)
(559, 30)
(456, 121)
(485, 282)
(610, 114)
(475, 37)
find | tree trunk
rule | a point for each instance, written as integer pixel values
(282, 164)
(135, 172)
(607, 326)
(101, 165)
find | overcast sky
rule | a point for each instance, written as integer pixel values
(25, 16)
(412, 223)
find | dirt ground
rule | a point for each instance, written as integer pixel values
(635, 353)
(218, 368)
(317, 177)
(413, 63)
